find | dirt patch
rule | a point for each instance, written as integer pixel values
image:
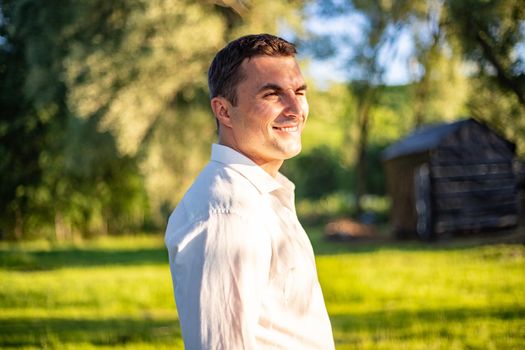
(348, 229)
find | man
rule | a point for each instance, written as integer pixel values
(243, 268)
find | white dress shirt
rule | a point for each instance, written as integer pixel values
(242, 266)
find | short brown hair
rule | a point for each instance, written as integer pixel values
(225, 74)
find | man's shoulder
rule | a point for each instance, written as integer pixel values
(220, 188)
(217, 191)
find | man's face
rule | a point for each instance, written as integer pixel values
(271, 111)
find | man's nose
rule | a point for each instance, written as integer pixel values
(294, 107)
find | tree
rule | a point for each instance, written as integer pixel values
(381, 23)
(490, 32)
(108, 115)
(438, 73)
(146, 80)
(447, 36)
(28, 123)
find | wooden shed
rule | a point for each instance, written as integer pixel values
(455, 177)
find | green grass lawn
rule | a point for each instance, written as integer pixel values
(116, 293)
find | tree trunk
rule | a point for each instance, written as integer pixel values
(62, 231)
(19, 224)
(420, 102)
(361, 166)
(503, 75)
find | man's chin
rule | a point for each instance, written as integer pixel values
(292, 151)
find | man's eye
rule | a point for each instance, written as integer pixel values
(268, 94)
(301, 92)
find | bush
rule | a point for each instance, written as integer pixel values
(316, 174)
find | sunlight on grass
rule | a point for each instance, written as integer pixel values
(115, 293)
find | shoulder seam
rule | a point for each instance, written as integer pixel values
(227, 211)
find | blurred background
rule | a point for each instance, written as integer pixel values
(105, 122)
(105, 116)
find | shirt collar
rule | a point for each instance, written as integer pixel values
(263, 181)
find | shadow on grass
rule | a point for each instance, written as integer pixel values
(429, 325)
(21, 260)
(34, 260)
(322, 246)
(401, 319)
(349, 328)
(44, 332)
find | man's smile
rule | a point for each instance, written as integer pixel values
(288, 128)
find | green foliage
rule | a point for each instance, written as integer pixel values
(72, 178)
(327, 162)
(106, 119)
(392, 114)
(490, 36)
(116, 293)
(499, 109)
(31, 128)
(341, 204)
(320, 172)
(329, 117)
(316, 173)
(465, 62)
(146, 80)
(441, 92)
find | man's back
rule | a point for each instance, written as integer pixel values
(242, 266)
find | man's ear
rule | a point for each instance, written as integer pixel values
(221, 109)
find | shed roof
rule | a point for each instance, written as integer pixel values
(423, 139)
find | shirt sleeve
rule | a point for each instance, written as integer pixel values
(235, 268)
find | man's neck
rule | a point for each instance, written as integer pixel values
(271, 167)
